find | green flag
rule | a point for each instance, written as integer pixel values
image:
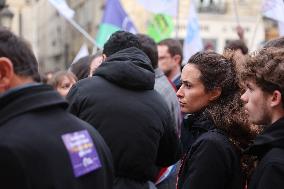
(115, 18)
(160, 27)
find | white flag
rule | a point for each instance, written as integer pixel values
(281, 28)
(63, 8)
(82, 52)
(168, 7)
(192, 42)
(274, 9)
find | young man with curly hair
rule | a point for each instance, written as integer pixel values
(263, 97)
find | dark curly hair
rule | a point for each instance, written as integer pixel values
(279, 42)
(226, 111)
(120, 40)
(216, 72)
(266, 68)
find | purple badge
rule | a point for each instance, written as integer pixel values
(82, 152)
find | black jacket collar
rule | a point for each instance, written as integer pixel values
(200, 120)
(28, 99)
(271, 137)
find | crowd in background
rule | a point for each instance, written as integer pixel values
(132, 116)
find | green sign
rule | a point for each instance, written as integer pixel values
(160, 27)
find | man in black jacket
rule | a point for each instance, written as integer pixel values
(264, 79)
(167, 176)
(134, 120)
(42, 145)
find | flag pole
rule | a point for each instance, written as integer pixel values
(82, 31)
(236, 13)
(259, 18)
(177, 20)
(64, 10)
(239, 29)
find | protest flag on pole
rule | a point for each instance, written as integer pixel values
(68, 13)
(274, 9)
(160, 27)
(192, 42)
(161, 24)
(63, 8)
(281, 28)
(115, 18)
(168, 7)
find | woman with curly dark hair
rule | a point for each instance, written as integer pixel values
(216, 129)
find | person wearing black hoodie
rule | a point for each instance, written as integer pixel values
(41, 144)
(120, 101)
(263, 77)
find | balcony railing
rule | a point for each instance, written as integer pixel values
(213, 7)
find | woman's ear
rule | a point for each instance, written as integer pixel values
(214, 94)
(6, 73)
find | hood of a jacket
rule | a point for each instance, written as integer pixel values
(28, 99)
(271, 137)
(129, 68)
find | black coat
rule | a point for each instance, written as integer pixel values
(134, 120)
(32, 153)
(211, 161)
(193, 126)
(269, 149)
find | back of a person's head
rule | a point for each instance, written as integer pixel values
(174, 46)
(120, 40)
(20, 54)
(81, 68)
(149, 47)
(279, 42)
(237, 45)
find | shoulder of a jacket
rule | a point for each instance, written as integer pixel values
(268, 165)
(87, 81)
(213, 138)
(273, 157)
(83, 85)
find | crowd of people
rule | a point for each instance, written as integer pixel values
(133, 117)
